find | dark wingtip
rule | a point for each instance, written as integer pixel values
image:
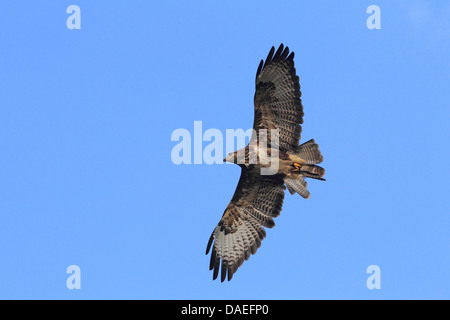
(230, 274)
(210, 241)
(291, 57)
(269, 56)
(216, 270)
(259, 68)
(279, 51)
(224, 270)
(284, 53)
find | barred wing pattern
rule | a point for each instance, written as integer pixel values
(256, 201)
(277, 98)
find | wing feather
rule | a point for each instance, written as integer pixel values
(277, 98)
(239, 233)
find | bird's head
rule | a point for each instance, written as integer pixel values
(237, 157)
(231, 158)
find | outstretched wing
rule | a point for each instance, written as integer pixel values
(256, 201)
(277, 98)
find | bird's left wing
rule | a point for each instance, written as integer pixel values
(277, 98)
(257, 199)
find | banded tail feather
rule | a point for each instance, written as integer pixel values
(309, 152)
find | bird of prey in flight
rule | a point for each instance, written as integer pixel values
(259, 197)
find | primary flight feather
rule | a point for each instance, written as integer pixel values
(259, 196)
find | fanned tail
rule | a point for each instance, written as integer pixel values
(310, 154)
(312, 171)
(297, 186)
(309, 151)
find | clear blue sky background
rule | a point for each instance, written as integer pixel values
(86, 176)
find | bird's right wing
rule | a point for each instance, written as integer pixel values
(257, 199)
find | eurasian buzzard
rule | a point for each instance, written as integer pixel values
(259, 197)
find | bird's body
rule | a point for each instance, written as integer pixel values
(290, 165)
(272, 161)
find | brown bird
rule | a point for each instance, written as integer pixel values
(259, 194)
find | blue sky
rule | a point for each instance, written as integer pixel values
(86, 176)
